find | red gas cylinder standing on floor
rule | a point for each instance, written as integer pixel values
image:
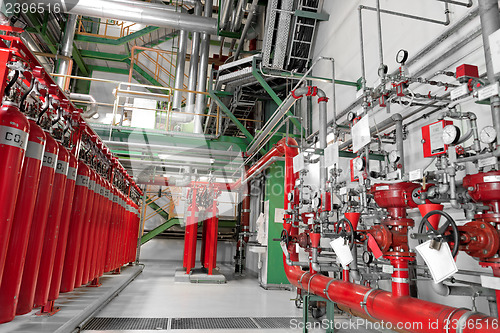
(38, 225)
(103, 237)
(111, 229)
(14, 128)
(89, 258)
(52, 231)
(19, 235)
(75, 228)
(62, 239)
(85, 230)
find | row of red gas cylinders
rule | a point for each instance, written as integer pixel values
(62, 225)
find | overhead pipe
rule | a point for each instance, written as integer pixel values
(66, 51)
(202, 73)
(253, 10)
(138, 12)
(194, 62)
(415, 314)
(490, 22)
(226, 8)
(239, 12)
(86, 98)
(179, 71)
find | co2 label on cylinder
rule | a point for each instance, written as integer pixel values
(13, 137)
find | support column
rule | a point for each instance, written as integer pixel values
(490, 22)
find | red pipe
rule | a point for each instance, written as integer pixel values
(38, 226)
(52, 230)
(19, 235)
(62, 239)
(419, 316)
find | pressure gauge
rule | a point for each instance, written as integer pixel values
(351, 116)
(401, 57)
(488, 135)
(367, 257)
(451, 134)
(359, 164)
(394, 156)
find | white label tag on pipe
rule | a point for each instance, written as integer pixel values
(459, 92)
(342, 251)
(440, 262)
(415, 175)
(490, 282)
(298, 163)
(332, 154)
(360, 134)
(488, 91)
(389, 269)
(487, 161)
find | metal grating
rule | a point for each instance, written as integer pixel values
(121, 324)
(212, 323)
(277, 322)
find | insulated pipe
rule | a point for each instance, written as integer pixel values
(138, 12)
(87, 98)
(238, 17)
(323, 129)
(67, 50)
(490, 22)
(179, 71)
(226, 4)
(193, 64)
(248, 23)
(202, 72)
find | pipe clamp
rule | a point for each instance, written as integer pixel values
(363, 304)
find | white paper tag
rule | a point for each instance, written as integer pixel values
(360, 134)
(487, 161)
(488, 91)
(343, 190)
(298, 163)
(332, 154)
(490, 282)
(495, 50)
(342, 251)
(415, 175)
(394, 175)
(279, 215)
(459, 92)
(440, 262)
(389, 269)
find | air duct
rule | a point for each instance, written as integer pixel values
(138, 12)
(67, 50)
(92, 110)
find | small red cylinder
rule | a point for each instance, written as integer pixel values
(89, 210)
(19, 235)
(52, 231)
(14, 128)
(62, 239)
(38, 226)
(75, 228)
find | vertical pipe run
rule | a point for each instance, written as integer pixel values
(400, 278)
(202, 73)
(490, 22)
(380, 47)
(253, 10)
(399, 140)
(67, 50)
(179, 72)
(193, 63)
(362, 49)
